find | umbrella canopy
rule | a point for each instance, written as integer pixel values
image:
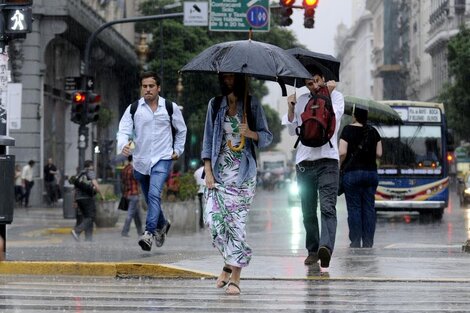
(328, 64)
(378, 112)
(253, 58)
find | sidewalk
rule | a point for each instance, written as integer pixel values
(39, 243)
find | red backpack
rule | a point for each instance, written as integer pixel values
(318, 120)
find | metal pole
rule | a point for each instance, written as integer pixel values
(83, 144)
(120, 21)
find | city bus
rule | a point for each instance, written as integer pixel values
(413, 170)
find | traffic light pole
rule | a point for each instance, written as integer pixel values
(87, 84)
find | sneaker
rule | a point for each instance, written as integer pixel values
(324, 255)
(160, 235)
(311, 259)
(75, 235)
(146, 240)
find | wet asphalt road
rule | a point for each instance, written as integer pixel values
(416, 265)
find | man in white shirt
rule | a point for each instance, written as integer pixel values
(148, 137)
(28, 181)
(317, 173)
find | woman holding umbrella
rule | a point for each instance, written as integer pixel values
(235, 124)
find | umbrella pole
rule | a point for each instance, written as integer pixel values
(244, 120)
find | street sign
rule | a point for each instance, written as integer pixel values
(18, 19)
(231, 15)
(72, 83)
(196, 13)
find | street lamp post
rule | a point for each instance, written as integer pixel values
(142, 50)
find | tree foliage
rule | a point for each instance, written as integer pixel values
(174, 45)
(456, 94)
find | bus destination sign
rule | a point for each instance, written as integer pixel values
(419, 114)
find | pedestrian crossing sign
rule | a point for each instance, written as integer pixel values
(18, 19)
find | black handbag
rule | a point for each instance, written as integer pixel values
(123, 204)
(351, 158)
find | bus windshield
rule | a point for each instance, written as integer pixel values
(411, 150)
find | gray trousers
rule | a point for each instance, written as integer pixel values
(316, 179)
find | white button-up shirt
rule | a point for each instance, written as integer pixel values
(151, 133)
(324, 152)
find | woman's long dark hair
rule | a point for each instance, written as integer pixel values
(238, 86)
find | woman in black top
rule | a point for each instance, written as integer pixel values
(359, 146)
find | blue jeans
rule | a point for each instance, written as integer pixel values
(359, 189)
(152, 187)
(319, 178)
(133, 213)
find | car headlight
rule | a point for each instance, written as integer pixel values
(467, 191)
(294, 189)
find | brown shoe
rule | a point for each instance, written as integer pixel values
(311, 259)
(325, 256)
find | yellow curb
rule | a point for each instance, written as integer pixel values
(98, 269)
(58, 231)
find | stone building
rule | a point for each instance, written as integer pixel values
(409, 47)
(53, 54)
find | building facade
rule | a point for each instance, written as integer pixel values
(52, 55)
(409, 47)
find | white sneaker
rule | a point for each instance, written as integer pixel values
(146, 241)
(160, 235)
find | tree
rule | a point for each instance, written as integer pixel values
(456, 94)
(178, 45)
(274, 124)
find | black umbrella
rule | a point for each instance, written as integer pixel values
(377, 112)
(328, 64)
(253, 58)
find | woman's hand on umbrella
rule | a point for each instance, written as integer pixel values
(247, 132)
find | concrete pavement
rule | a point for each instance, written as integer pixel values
(39, 243)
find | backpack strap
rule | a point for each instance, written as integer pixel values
(133, 110)
(169, 109)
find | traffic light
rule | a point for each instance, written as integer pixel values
(93, 107)
(17, 18)
(309, 13)
(78, 106)
(286, 12)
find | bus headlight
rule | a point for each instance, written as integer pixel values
(294, 188)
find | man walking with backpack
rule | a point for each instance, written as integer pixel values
(316, 117)
(153, 130)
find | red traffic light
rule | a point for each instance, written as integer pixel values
(79, 97)
(310, 3)
(287, 3)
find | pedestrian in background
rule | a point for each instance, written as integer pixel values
(130, 190)
(230, 173)
(86, 202)
(359, 147)
(173, 183)
(27, 181)
(50, 181)
(18, 185)
(150, 132)
(200, 193)
(317, 171)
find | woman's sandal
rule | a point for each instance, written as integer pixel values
(236, 292)
(223, 283)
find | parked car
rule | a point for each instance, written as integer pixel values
(464, 188)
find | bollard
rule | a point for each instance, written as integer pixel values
(7, 182)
